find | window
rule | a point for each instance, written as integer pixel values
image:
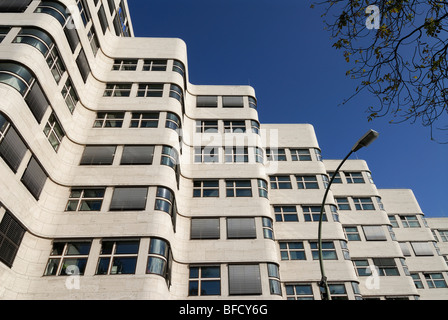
(137, 155)
(292, 251)
(393, 221)
(204, 281)
(274, 279)
(204, 228)
(354, 177)
(207, 126)
(299, 292)
(236, 155)
(422, 248)
(300, 155)
(16, 76)
(268, 228)
(410, 222)
(206, 154)
(244, 279)
(318, 154)
(307, 182)
(405, 248)
(125, 65)
(118, 90)
(109, 120)
(150, 90)
(144, 120)
(170, 157)
(232, 102)
(374, 233)
(325, 180)
(165, 201)
(154, 65)
(118, 257)
(16, 6)
(435, 280)
(280, 182)
(68, 258)
(206, 101)
(258, 152)
(363, 204)
(262, 188)
(369, 177)
(12, 147)
(93, 40)
(379, 202)
(275, 154)
(98, 155)
(285, 213)
(83, 11)
(443, 235)
(417, 281)
(362, 267)
(337, 291)
(206, 188)
(172, 121)
(103, 19)
(238, 188)
(255, 126)
(343, 203)
(344, 248)
(53, 131)
(176, 92)
(337, 178)
(34, 178)
(241, 228)
(352, 233)
(83, 65)
(43, 42)
(69, 94)
(159, 258)
(386, 266)
(11, 235)
(129, 199)
(234, 126)
(328, 250)
(85, 199)
(252, 103)
(312, 213)
(179, 67)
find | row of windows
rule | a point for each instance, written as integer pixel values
(130, 155)
(236, 228)
(302, 182)
(383, 267)
(230, 154)
(122, 199)
(308, 213)
(359, 203)
(294, 154)
(352, 177)
(419, 248)
(432, 280)
(226, 126)
(310, 291)
(148, 65)
(225, 102)
(144, 90)
(243, 279)
(13, 151)
(115, 257)
(369, 233)
(405, 221)
(440, 234)
(233, 188)
(300, 250)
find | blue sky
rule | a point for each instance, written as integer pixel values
(282, 50)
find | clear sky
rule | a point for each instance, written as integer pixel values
(282, 50)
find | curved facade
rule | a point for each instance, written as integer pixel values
(122, 180)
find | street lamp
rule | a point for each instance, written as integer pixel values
(365, 140)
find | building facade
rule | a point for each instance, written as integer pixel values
(122, 180)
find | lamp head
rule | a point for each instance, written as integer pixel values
(365, 140)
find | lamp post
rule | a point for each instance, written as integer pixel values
(365, 140)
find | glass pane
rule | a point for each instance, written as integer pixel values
(78, 248)
(210, 272)
(52, 267)
(103, 266)
(123, 265)
(126, 247)
(73, 266)
(90, 205)
(210, 287)
(156, 265)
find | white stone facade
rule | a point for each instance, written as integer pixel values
(141, 185)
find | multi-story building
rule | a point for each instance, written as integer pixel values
(121, 179)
